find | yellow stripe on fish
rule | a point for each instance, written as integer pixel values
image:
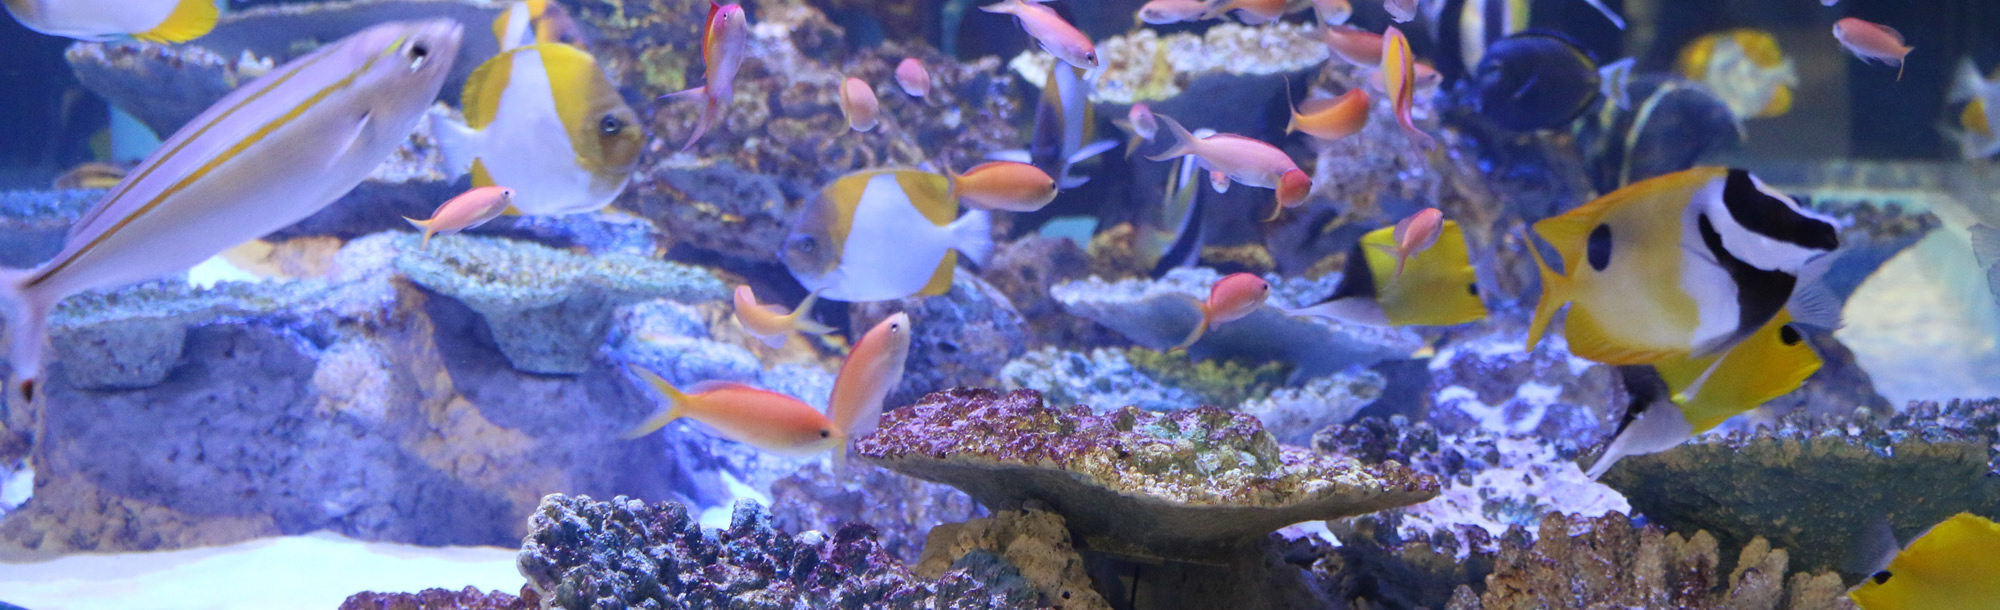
(1954, 565)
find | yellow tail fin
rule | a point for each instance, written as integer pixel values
(802, 317)
(676, 404)
(191, 19)
(1200, 327)
(424, 225)
(1555, 293)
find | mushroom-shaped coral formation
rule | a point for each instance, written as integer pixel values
(547, 309)
(1195, 484)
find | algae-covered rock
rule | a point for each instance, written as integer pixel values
(547, 309)
(1146, 66)
(902, 509)
(34, 223)
(1036, 542)
(469, 598)
(1813, 486)
(1494, 382)
(1188, 484)
(1106, 379)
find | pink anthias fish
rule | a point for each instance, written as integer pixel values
(1140, 123)
(1232, 297)
(1164, 12)
(858, 104)
(1414, 234)
(913, 78)
(1399, 80)
(1251, 12)
(771, 324)
(1049, 29)
(871, 371)
(723, 45)
(303, 134)
(1333, 12)
(470, 209)
(1354, 45)
(1875, 41)
(1245, 160)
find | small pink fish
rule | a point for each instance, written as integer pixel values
(767, 420)
(1219, 181)
(1244, 160)
(1333, 12)
(1232, 297)
(1415, 234)
(1006, 186)
(1872, 41)
(1163, 12)
(1049, 29)
(1401, 10)
(913, 78)
(771, 324)
(858, 104)
(1354, 45)
(1399, 80)
(723, 46)
(870, 372)
(1428, 79)
(1140, 123)
(470, 209)
(1252, 12)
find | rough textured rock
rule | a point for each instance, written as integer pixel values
(959, 338)
(1025, 269)
(1106, 379)
(1188, 484)
(547, 309)
(1493, 382)
(468, 598)
(34, 223)
(1918, 467)
(1146, 66)
(1158, 314)
(902, 509)
(1037, 542)
(586, 554)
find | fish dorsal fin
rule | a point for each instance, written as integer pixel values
(481, 98)
(190, 19)
(708, 31)
(512, 25)
(1900, 41)
(845, 194)
(929, 193)
(940, 281)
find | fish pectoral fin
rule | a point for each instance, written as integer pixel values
(191, 19)
(1016, 155)
(940, 281)
(353, 138)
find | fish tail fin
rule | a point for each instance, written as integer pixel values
(1555, 293)
(27, 328)
(1965, 82)
(1200, 327)
(1183, 141)
(972, 234)
(424, 225)
(1292, 119)
(701, 125)
(803, 316)
(457, 142)
(1902, 63)
(676, 404)
(191, 19)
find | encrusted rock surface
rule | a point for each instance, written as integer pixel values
(1917, 467)
(902, 509)
(1146, 66)
(468, 598)
(959, 338)
(585, 554)
(1493, 382)
(1158, 314)
(547, 309)
(34, 223)
(1106, 379)
(1036, 542)
(1188, 484)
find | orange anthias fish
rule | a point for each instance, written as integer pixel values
(1399, 79)
(1875, 41)
(1049, 29)
(1232, 297)
(1354, 45)
(468, 210)
(871, 371)
(767, 420)
(723, 46)
(1244, 160)
(858, 104)
(1252, 12)
(1416, 234)
(913, 78)
(1331, 119)
(771, 324)
(1163, 12)
(1004, 186)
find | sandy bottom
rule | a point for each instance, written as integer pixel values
(316, 571)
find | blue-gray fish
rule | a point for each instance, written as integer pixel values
(266, 156)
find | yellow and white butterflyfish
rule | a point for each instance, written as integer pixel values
(1686, 263)
(1682, 396)
(161, 21)
(265, 156)
(544, 121)
(529, 22)
(1437, 287)
(879, 235)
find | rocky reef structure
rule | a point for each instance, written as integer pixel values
(903, 510)
(1035, 541)
(1192, 484)
(469, 598)
(1493, 382)
(1145, 66)
(1797, 483)
(34, 223)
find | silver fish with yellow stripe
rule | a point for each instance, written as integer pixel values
(266, 156)
(879, 235)
(543, 120)
(161, 21)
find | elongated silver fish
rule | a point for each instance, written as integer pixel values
(266, 156)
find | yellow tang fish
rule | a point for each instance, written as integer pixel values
(1437, 287)
(161, 21)
(265, 156)
(544, 121)
(1954, 565)
(1743, 67)
(1707, 391)
(879, 235)
(1685, 263)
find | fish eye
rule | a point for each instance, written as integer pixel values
(610, 125)
(1789, 335)
(1090, 57)
(1881, 577)
(824, 433)
(1473, 289)
(805, 244)
(418, 54)
(895, 328)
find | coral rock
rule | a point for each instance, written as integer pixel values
(902, 508)
(468, 598)
(1035, 541)
(1190, 484)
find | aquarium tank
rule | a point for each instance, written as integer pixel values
(999, 304)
